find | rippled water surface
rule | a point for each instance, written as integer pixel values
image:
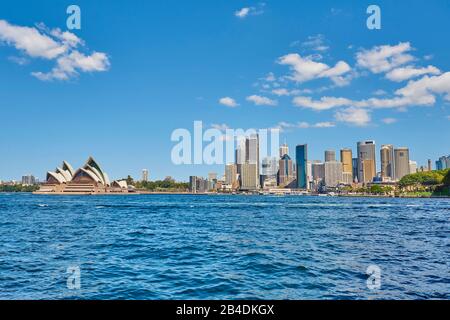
(223, 247)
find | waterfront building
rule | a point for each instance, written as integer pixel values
(29, 180)
(430, 167)
(347, 166)
(198, 184)
(284, 149)
(330, 155)
(355, 169)
(333, 173)
(89, 179)
(249, 178)
(249, 169)
(412, 166)
(387, 162)
(269, 166)
(240, 154)
(301, 158)
(401, 162)
(212, 181)
(145, 175)
(366, 161)
(443, 163)
(309, 173)
(286, 171)
(193, 184)
(231, 175)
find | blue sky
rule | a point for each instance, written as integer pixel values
(137, 70)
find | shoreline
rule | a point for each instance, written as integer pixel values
(224, 194)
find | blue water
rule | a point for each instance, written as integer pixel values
(223, 247)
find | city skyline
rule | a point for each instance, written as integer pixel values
(165, 65)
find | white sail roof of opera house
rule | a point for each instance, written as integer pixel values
(91, 170)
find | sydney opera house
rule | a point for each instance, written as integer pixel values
(89, 179)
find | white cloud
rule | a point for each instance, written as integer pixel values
(229, 102)
(401, 74)
(30, 41)
(41, 42)
(384, 58)
(305, 69)
(283, 126)
(261, 101)
(285, 92)
(354, 116)
(316, 42)
(389, 120)
(68, 66)
(448, 117)
(250, 11)
(324, 103)
(242, 13)
(420, 92)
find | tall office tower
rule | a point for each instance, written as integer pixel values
(333, 173)
(269, 166)
(347, 166)
(301, 158)
(193, 184)
(330, 155)
(366, 161)
(144, 175)
(355, 169)
(318, 170)
(28, 180)
(309, 173)
(231, 174)
(249, 179)
(284, 149)
(401, 162)
(285, 172)
(387, 161)
(430, 168)
(241, 154)
(443, 163)
(412, 166)
(252, 158)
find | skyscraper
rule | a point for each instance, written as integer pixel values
(301, 158)
(240, 154)
(249, 179)
(285, 172)
(330, 155)
(284, 149)
(387, 161)
(443, 163)
(401, 162)
(347, 166)
(333, 173)
(231, 174)
(355, 169)
(144, 175)
(412, 166)
(366, 161)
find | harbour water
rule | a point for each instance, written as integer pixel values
(222, 247)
